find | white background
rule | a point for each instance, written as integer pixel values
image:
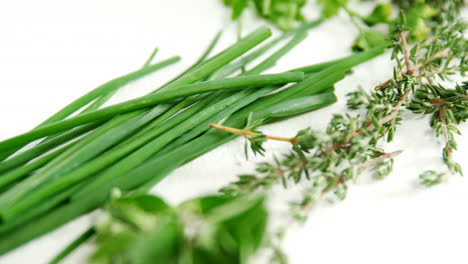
(51, 52)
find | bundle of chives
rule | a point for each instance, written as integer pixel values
(110, 157)
(64, 159)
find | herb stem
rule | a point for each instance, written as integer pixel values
(404, 44)
(74, 245)
(381, 158)
(446, 136)
(247, 133)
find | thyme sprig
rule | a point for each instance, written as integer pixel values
(349, 146)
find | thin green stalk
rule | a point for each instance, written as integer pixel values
(189, 100)
(223, 58)
(99, 102)
(150, 58)
(202, 60)
(242, 62)
(150, 100)
(74, 245)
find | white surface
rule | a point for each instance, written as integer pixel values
(51, 52)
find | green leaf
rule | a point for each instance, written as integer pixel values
(283, 13)
(381, 14)
(204, 205)
(416, 18)
(244, 219)
(208, 229)
(109, 249)
(369, 39)
(237, 7)
(148, 203)
(162, 244)
(330, 8)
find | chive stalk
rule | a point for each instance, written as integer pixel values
(74, 245)
(150, 100)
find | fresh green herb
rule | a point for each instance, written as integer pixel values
(211, 229)
(285, 14)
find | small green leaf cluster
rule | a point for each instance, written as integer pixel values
(327, 159)
(331, 8)
(208, 229)
(447, 107)
(256, 143)
(421, 18)
(285, 14)
(446, 55)
(431, 177)
(368, 37)
(437, 10)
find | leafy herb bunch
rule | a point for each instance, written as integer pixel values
(209, 229)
